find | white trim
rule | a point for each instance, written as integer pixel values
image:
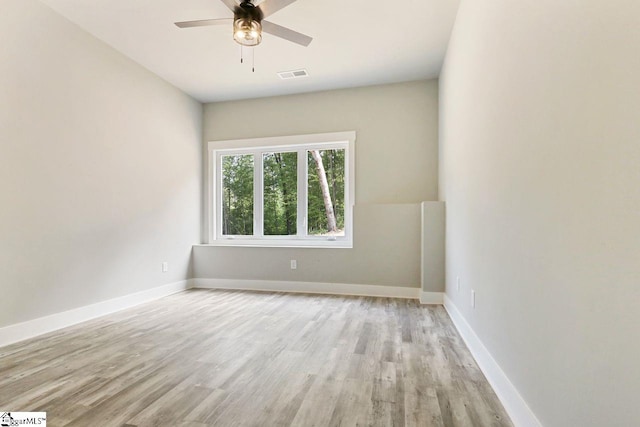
(431, 297)
(520, 413)
(302, 192)
(42, 325)
(258, 195)
(210, 184)
(281, 243)
(310, 287)
(282, 140)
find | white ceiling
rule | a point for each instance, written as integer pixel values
(355, 43)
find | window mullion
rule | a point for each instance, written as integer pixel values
(258, 195)
(302, 193)
(216, 206)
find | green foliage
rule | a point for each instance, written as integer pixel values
(237, 195)
(280, 172)
(280, 193)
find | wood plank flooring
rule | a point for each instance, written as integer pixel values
(232, 358)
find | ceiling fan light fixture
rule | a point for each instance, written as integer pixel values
(247, 32)
(247, 26)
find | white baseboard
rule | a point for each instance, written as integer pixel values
(309, 287)
(42, 325)
(431, 297)
(518, 410)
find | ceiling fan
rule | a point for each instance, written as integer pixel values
(248, 22)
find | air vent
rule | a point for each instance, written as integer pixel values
(295, 74)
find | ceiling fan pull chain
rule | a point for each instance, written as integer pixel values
(253, 60)
(241, 59)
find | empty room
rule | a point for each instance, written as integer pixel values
(319, 213)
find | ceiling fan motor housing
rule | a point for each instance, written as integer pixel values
(247, 26)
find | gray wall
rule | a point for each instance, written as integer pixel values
(100, 166)
(389, 256)
(540, 158)
(396, 169)
(432, 244)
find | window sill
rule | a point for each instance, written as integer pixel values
(281, 244)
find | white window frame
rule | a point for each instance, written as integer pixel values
(258, 146)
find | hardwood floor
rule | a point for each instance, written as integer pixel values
(232, 358)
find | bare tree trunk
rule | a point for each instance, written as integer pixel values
(326, 196)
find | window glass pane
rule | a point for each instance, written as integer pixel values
(326, 192)
(280, 177)
(237, 195)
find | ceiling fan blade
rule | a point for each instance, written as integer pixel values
(231, 4)
(204, 23)
(269, 7)
(286, 33)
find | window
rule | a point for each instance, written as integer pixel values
(287, 191)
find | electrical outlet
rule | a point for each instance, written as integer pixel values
(458, 283)
(294, 264)
(165, 266)
(473, 298)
